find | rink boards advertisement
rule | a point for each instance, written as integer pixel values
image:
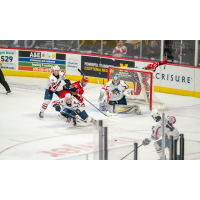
(73, 63)
(8, 59)
(174, 79)
(98, 67)
(40, 61)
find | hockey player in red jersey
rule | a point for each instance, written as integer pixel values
(145, 77)
(76, 89)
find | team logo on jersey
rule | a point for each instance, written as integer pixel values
(115, 91)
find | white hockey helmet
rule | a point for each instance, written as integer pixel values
(68, 96)
(171, 119)
(156, 115)
(56, 67)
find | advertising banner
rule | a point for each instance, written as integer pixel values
(8, 59)
(197, 79)
(98, 67)
(73, 63)
(175, 77)
(40, 61)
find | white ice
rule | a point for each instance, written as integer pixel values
(24, 136)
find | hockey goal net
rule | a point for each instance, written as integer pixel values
(140, 83)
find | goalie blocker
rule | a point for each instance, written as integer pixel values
(117, 102)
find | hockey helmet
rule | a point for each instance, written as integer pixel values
(171, 119)
(56, 68)
(85, 80)
(156, 115)
(68, 96)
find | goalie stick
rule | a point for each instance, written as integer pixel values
(104, 103)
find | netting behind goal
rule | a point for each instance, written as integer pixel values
(141, 86)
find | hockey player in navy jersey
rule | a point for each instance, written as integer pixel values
(117, 101)
(69, 107)
(53, 86)
(157, 132)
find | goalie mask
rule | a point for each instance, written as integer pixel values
(155, 115)
(116, 80)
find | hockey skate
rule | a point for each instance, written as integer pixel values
(41, 114)
(8, 92)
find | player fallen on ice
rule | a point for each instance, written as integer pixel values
(117, 101)
(76, 89)
(69, 108)
(53, 86)
(157, 132)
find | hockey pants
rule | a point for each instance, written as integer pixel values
(47, 99)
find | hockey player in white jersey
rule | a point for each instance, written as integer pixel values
(117, 101)
(157, 132)
(53, 86)
(69, 107)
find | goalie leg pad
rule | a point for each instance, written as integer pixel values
(101, 106)
(124, 109)
(102, 96)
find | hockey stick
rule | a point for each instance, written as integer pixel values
(82, 75)
(130, 152)
(107, 112)
(74, 117)
(95, 107)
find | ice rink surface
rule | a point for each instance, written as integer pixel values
(24, 136)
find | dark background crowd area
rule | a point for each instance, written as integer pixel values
(175, 51)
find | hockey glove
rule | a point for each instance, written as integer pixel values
(146, 141)
(67, 81)
(66, 86)
(57, 107)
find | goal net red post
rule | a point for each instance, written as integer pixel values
(140, 84)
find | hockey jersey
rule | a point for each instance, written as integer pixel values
(76, 90)
(55, 85)
(116, 91)
(169, 130)
(73, 106)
